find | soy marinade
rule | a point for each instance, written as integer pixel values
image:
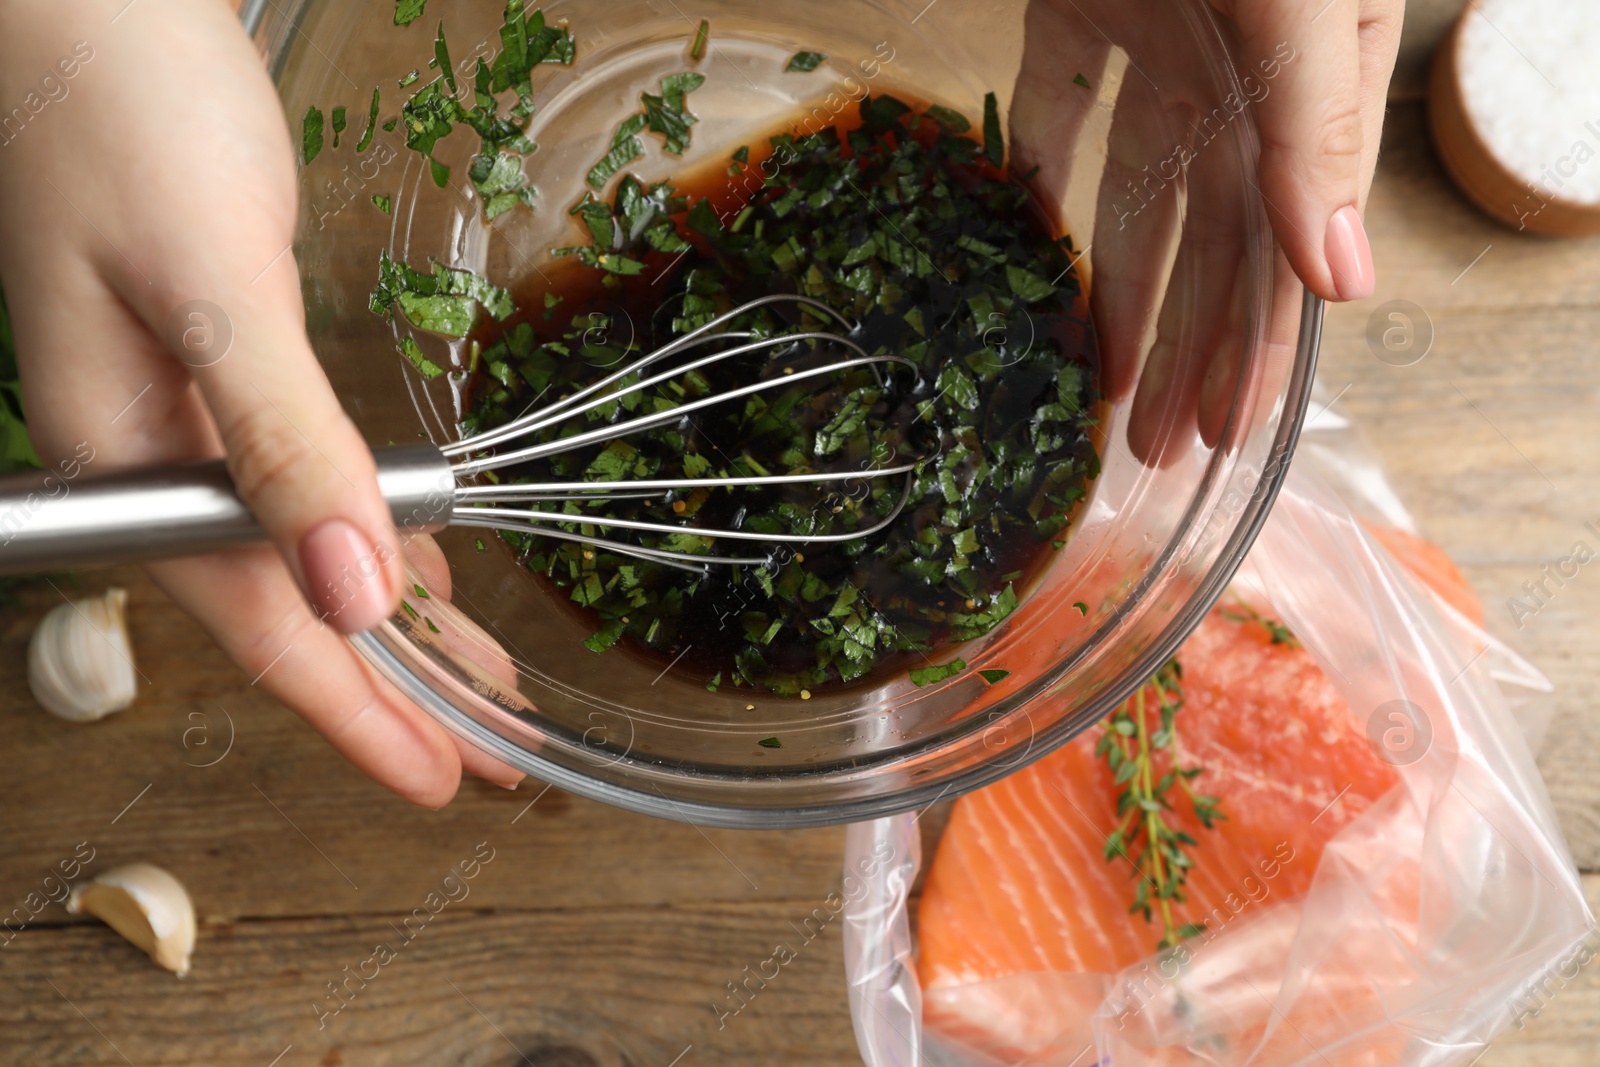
(903, 221)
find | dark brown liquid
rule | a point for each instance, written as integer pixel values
(710, 635)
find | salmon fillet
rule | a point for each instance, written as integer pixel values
(1019, 882)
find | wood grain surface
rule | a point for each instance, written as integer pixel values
(595, 937)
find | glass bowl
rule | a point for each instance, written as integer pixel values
(495, 655)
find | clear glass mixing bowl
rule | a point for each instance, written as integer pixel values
(1163, 101)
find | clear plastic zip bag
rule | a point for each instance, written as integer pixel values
(1427, 919)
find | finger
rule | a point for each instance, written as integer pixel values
(481, 653)
(1136, 226)
(1193, 339)
(1379, 31)
(1049, 107)
(249, 603)
(297, 461)
(1313, 140)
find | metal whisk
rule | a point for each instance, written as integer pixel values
(48, 522)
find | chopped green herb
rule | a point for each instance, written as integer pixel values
(902, 229)
(954, 121)
(441, 60)
(372, 124)
(625, 148)
(431, 626)
(922, 676)
(383, 203)
(770, 742)
(1081, 80)
(994, 145)
(606, 636)
(1083, 609)
(804, 62)
(408, 11)
(715, 683)
(311, 134)
(994, 677)
(702, 36)
(410, 79)
(1280, 634)
(413, 352)
(421, 592)
(338, 124)
(478, 543)
(409, 609)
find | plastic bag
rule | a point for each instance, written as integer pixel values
(1429, 918)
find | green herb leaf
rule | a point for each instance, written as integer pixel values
(702, 37)
(311, 134)
(338, 124)
(770, 742)
(1079, 79)
(923, 676)
(1083, 609)
(994, 677)
(408, 11)
(372, 123)
(413, 352)
(383, 203)
(804, 62)
(994, 145)
(954, 121)
(625, 148)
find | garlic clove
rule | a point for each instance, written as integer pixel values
(146, 905)
(80, 662)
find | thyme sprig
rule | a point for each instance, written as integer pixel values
(1144, 801)
(1243, 613)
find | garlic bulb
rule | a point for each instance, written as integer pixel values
(80, 663)
(147, 906)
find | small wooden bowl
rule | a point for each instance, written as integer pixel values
(1481, 176)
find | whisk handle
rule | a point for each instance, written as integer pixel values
(50, 521)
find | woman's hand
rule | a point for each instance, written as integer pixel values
(157, 174)
(1314, 74)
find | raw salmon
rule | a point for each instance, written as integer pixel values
(1019, 882)
(1432, 566)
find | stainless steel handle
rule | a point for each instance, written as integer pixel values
(52, 522)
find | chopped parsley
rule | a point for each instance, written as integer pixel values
(408, 11)
(923, 676)
(445, 302)
(994, 145)
(338, 124)
(702, 36)
(898, 225)
(770, 742)
(311, 134)
(372, 123)
(804, 62)
(383, 203)
(664, 113)
(1081, 80)
(994, 677)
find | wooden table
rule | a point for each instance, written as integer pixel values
(599, 937)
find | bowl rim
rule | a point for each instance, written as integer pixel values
(1296, 402)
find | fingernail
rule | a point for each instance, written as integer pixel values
(1350, 255)
(344, 576)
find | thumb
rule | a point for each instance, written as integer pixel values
(295, 457)
(1312, 137)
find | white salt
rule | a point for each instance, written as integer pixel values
(1530, 81)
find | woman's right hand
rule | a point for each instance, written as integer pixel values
(1314, 75)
